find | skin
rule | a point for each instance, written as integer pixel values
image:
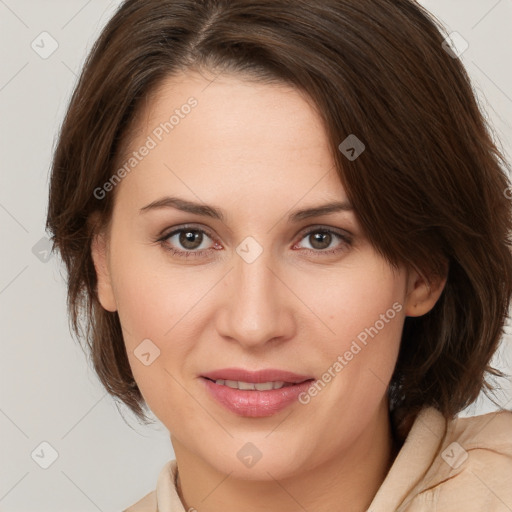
(257, 151)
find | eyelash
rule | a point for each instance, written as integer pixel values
(344, 238)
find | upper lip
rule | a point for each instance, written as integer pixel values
(266, 375)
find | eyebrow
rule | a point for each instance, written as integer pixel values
(213, 212)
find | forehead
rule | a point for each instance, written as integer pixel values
(223, 134)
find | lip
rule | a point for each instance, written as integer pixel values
(254, 403)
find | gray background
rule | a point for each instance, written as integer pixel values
(106, 461)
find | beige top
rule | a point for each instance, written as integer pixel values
(461, 465)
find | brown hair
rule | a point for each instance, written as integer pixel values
(428, 190)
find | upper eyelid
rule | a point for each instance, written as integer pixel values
(174, 231)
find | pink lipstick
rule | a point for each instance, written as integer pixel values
(255, 394)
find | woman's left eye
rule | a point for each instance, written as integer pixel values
(193, 242)
(321, 240)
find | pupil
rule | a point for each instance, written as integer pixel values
(190, 239)
(320, 239)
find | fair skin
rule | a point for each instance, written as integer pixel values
(258, 152)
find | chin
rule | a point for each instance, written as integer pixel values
(248, 462)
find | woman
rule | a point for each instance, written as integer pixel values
(287, 232)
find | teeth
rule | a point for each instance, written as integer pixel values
(260, 386)
(265, 386)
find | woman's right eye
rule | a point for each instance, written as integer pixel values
(187, 242)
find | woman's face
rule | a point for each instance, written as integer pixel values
(256, 282)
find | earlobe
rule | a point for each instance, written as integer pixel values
(423, 294)
(104, 284)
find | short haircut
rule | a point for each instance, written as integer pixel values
(431, 187)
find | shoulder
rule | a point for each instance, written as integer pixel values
(472, 469)
(447, 465)
(492, 430)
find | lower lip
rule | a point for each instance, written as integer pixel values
(253, 403)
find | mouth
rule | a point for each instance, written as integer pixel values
(252, 386)
(255, 394)
(268, 375)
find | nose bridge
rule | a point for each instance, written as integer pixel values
(258, 311)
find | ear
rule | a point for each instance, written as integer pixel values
(422, 294)
(99, 253)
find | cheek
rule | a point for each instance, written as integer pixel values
(152, 295)
(364, 310)
(150, 311)
(366, 299)
(148, 302)
(145, 306)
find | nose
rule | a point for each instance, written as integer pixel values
(257, 306)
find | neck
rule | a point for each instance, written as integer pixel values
(346, 481)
